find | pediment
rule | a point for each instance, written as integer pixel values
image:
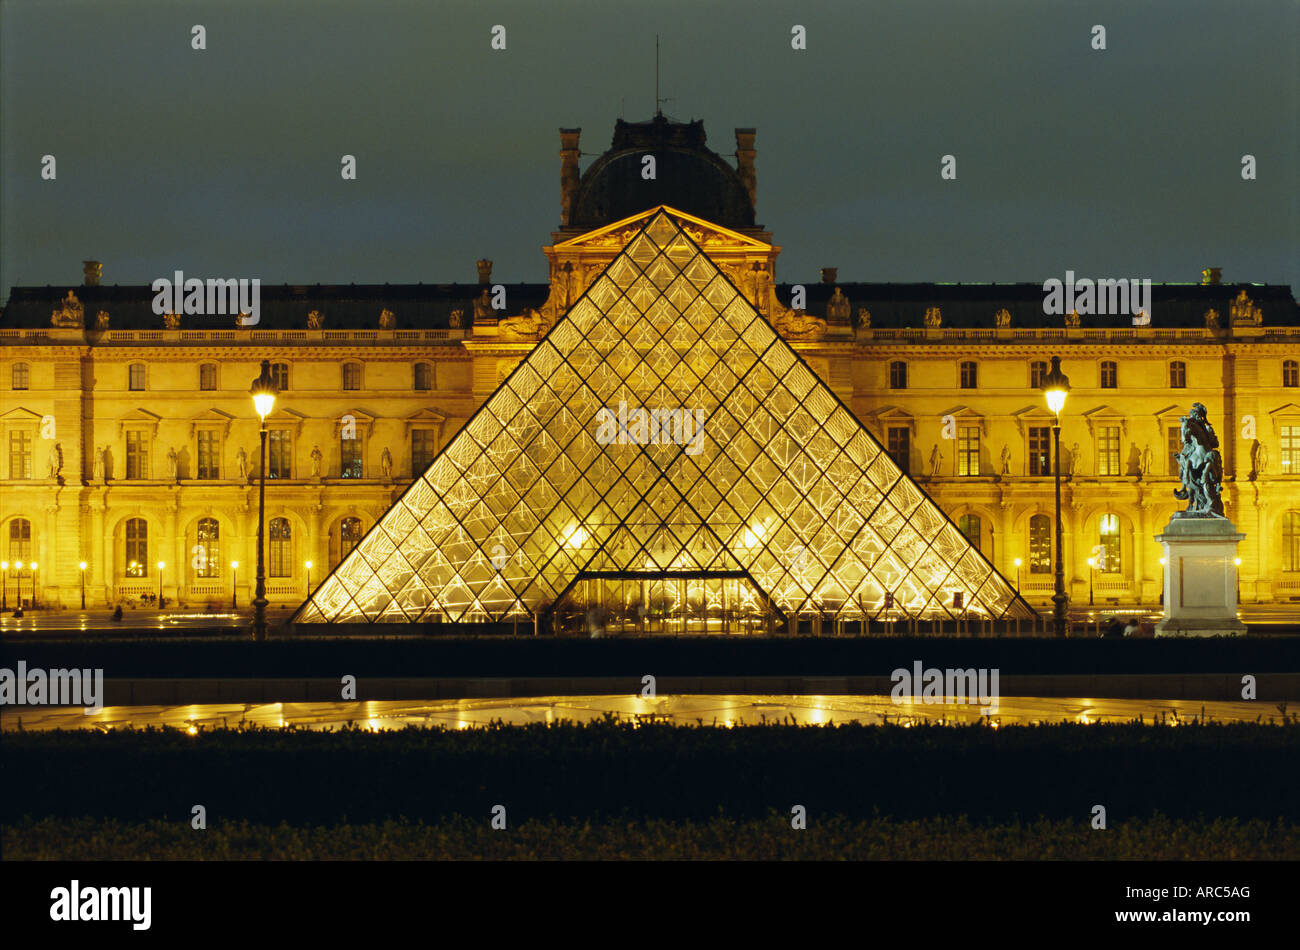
(706, 234)
(359, 418)
(20, 414)
(1106, 416)
(893, 416)
(1288, 415)
(1033, 416)
(967, 415)
(139, 419)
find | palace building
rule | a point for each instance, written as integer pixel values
(859, 439)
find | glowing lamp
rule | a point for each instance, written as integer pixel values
(264, 390)
(1056, 386)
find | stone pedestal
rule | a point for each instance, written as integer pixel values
(1200, 578)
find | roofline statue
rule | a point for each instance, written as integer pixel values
(1200, 467)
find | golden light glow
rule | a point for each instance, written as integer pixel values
(264, 403)
(307, 564)
(161, 565)
(1164, 560)
(234, 565)
(18, 565)
(1055, 400)
(35, 565)
(1018, 562)
(82, 565)
(1237, 561)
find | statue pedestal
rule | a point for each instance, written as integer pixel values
(1200, 578)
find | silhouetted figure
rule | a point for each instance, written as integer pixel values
(117, 612)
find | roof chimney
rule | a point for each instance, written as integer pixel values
(484, 271)
(745, 155)
(1212, 275)
(568, 172)
(92, 271)
(828, 274)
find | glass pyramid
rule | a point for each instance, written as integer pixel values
(662, 430)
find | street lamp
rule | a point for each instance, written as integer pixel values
(1163, 562)
(34, 567)
(1056, 386)
(308, 564)
(161, 565)
(18, 566)
(1237, 562)
(263, 391)
(1092, 571)
(4, 585)
(82, 566)
(1017, 562)
(234, 585)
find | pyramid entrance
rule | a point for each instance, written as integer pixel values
(663, 448)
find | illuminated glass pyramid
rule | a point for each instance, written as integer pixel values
(784, 499)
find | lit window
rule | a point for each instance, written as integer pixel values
(20, 455)
(1040, 450)
(422, 450)
(423, 376)
(350, 458)
(970, 526)
(1177, 375)
(900, 447)
(19, 376)
(280, 547)
(137, 454)
(1037, 371)
(137, 548)
(207, 556)
(349, 534)
(1175, 446)
(1108, 459)
(1291, 541)
(968, 450)
(351, 376)
(1290, 450)
(1040, 545)
(969, 374)
(1108, 531)
(1109, 374)
(20, 541)
(135, 377)
(898, 375)
(1290, 373)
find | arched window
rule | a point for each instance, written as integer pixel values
(1177, 375)
(351, 376)
(20, 376)
(423, 376)
(20, 541)
(1109, 374)
(280, 375)
(971, 526)
(136, 549)
(1040, 545)
(348, 534)
(280, 548)
(207, 548)
(1291, 541)
(1037, 372)
(1109, 540)
(1290, 373)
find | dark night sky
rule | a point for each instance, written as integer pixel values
(1122, 163)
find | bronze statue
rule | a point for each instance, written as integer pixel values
(1200, 467)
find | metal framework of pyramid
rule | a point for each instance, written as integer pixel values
(784, 487)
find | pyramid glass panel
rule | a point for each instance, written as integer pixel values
(662, 461)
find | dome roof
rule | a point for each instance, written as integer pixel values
(688, 175)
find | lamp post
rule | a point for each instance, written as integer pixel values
(1092, 572)
(1163, 562)
(263, 392)
(34, 575)
(1237, 563)
(1017, 562)
(234, 585)
(1056, 386)
(82, 566)
(308, 566)
(161, 565)
(4, 585)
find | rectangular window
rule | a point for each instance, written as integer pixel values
(208, 376)
(209, 454)
(1290, 450)
(20, 455)
(21, 376)
(280, 375)
(968, 450)
(1108, 450)
(351, 376)
(422, 450)
(1109, 375)
(1037, 371)
(135, 376)
(423, 376)
(900, 447)
(969, 374)
(898, 375)
(350, 458)
(137, 454)
(1177, 375)
(279, 453)
(1040, 450)
(1040, 545)
(1175, 445)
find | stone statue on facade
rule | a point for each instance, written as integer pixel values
(1074, 460)
(1072, 319)
(838, 308)
(98, 472)
(71, 315)
(172, 321)
(173, 461)
(56, 460)
(457, 319)
(1259, 453)
(316, 459)
(1242, 312)
(1147, 460)
(241, 463)
(483, 306)
(101, 320)
(525, 326)
(933, 318)
(314, 320)
(386, 319)
(864, 318)
(1200, 467)
(386, 463)
(1002, 319)
(1211, 319)
(1006, 460)
(936, 460)
(798, 325)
